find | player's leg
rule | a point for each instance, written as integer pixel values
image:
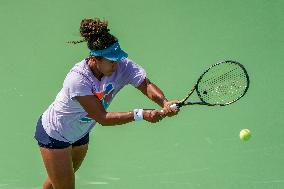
(57, 158)
(78, 152)
(78, 155)
(47, 184)
(59, 167)
(60, 157)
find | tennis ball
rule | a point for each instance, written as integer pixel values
(245, 134)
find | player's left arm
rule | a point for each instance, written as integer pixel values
(154, 93)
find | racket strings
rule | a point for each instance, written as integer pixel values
(223, 84)
(217, 76)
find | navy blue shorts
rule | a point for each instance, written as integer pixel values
(45, 141)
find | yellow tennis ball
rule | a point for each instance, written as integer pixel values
(245, 134)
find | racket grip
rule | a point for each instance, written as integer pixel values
(173, 106)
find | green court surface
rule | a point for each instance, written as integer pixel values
(174, 41)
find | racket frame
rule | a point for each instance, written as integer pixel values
(202, 102)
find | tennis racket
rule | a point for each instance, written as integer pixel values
(222, 84)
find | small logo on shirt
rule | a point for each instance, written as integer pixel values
(106, 94)
(105, 97)
(86, 120)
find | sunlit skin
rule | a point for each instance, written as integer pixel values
(102, 67)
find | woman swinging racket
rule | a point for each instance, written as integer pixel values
(62, 132)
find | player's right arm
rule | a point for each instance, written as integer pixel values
(96, 111)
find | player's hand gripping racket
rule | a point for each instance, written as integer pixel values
(222, 84)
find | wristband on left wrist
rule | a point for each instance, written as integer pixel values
(138, 114)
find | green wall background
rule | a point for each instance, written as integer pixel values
(174, 41)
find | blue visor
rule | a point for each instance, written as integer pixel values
(113, 53)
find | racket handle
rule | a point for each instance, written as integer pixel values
(173, 106)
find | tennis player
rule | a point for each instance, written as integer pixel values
(62, 132)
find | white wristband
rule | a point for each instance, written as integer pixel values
(138, 114)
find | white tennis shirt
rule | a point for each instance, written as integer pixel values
(65, 119)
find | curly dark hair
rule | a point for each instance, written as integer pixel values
(96, 33)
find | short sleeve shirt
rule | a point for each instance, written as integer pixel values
(65, 119)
